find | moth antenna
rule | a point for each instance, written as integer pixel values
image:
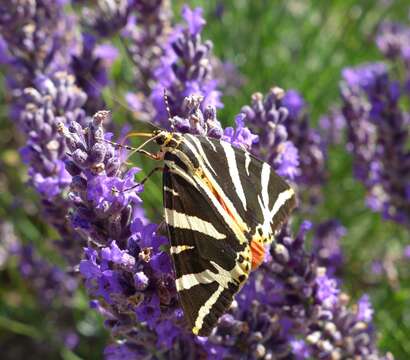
(166, 101)
(140, 148)
(117, 145)
(132, 149)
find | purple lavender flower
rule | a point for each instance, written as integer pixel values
(393, 41)
(185, 70)
(124, 263)
(240, 136)
(311, 147)
(206, 123)
(39, 42)
(107, 17)
(266, 117)
(291, 308)
(300, 349)
(377, 133)
(37, 36)
(144, 36)
(332, 127)
(286, 141)
(327, 291)
(53, 289)
(326, 245)
(51, 283)
(39, 109)
(194, 19)
(340, 332)
(364, 309)
(90, 68)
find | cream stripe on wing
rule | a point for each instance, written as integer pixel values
(183, 221)
(265, 176)
(186, 281)
(247, 162)
(172, 191)
(206, 309)
(238, 226)
(233, 171)
(222, 277)
(177, 170)
(280, 201)
(180, 248)
(211, 144)
(200, 149)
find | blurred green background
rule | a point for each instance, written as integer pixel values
(301, 45)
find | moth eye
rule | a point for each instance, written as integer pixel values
(242, 278)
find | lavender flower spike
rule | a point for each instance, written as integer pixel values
(185, 69)
(107, 17)
(266, 117)
(377, 132)
(53, 101)
(126, 270)
(311, 147)
(292, 309)
(145, 34)
(38, 43)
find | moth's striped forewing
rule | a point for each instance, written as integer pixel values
(222, 206)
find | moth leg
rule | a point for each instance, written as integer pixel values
(162, 228)
(154, 170)
(157, 156)
(140, 183)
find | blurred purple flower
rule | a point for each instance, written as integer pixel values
(406, 252)
(145, 35)
(393, 40)
(185, 69)
(364, 309)
(332, 127)
(377, 133)
(294, 102)
(327, 291)
(289, 309)
(38, 37)
(326, 245)
(90, 68)
(107, 17)
(300, 349)
(311, 146)
(194, 19)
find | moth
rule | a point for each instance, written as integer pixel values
(222, 207)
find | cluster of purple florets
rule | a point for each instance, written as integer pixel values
(292, 307)
(377, 125)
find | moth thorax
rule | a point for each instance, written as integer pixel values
(166, 139)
